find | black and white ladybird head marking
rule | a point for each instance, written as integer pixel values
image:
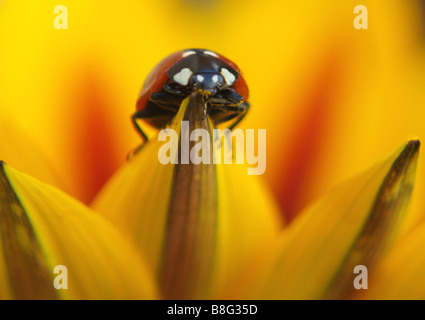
(203, 70)
(218, 80)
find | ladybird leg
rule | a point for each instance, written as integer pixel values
(134, 117)
(243, 107)
(154, 114)
(236, 112)
(226, 97)
(133, 152)
(232, 97)
(151, 114)
(177, 91)
(166, 101)
(237, 117)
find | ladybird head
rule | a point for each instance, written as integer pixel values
(204, 71)
(206, 83)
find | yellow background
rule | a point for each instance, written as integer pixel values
(333, 99)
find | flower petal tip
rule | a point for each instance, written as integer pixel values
(414, 144)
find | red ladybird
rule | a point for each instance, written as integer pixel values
(218, 80)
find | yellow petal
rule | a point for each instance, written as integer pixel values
(400, 275)
(42, 227)
(352, 226)
(196, 224)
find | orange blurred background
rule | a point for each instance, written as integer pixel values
(333, 99)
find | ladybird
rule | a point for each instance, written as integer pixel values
(218, 80)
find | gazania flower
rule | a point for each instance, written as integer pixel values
(196, 231)
(332, 98)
